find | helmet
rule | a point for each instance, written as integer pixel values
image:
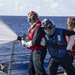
(46, 23)
(32, 16)
(70, 20)
(48, 26)
(71, 23)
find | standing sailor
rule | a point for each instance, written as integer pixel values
(36, 43)
(56, 44)
(71, 43)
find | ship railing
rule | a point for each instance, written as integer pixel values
(9, 69)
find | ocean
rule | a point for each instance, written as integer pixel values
(21, 56)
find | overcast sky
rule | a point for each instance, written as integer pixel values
(42, 7)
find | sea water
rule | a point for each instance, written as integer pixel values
(18, 25)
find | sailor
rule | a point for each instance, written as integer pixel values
(36, 43)
(56, 44)
(71, 39)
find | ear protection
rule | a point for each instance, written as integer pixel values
(33, 17)
(49, 26)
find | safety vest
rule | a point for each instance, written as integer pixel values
(57, 45)
(57, 39)
(30, 37)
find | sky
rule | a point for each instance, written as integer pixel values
(42, 7)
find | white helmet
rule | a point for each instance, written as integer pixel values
(46, 23)
(48, 26)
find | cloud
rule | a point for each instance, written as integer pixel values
(43, 7)
(58, 7)
(17, 2)
(1, 5)
(54, 6)
(46, 7)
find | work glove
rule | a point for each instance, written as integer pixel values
(23, 42)
(26, 43)
(19, 38)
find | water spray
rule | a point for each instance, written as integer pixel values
(6, 33)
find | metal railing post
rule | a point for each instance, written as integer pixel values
(11, 58)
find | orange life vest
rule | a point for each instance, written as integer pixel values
(31, 34)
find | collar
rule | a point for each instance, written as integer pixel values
(32, 26)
